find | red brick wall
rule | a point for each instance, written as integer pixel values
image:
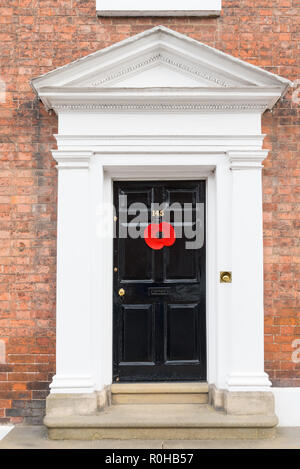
(37, 36)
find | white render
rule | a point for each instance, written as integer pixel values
(4, 430)
(287, 406)
(160, 106)
(158, 7)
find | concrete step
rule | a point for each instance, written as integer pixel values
(159, 393)
(170, 422)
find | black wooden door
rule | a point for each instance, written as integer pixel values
(159, 327)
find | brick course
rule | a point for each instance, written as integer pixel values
(39, 35)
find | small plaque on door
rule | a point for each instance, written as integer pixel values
(158, 291)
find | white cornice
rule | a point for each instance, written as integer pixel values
(186, 139)
(170, 99)
(242, 150)
(246, 107)
(163, 144)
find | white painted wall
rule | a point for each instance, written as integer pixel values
(287, 406)
(4, 430)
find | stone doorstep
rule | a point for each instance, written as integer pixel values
(156, 398)
(183, 434)
(172, 421)
(159, 393)
(160, 388)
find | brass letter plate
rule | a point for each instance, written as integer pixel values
(160, 291)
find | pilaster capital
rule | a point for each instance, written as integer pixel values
(72, 159)
(248, 159)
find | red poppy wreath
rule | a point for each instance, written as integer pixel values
(159, 235)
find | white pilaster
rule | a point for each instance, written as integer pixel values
(74, 366)
(222, 292)
(101, 210)
(246, 364)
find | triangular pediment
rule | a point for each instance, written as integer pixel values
(153, 71)
(156, 69)
(158, 75)
(159, 59)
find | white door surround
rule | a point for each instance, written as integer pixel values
(97, 171)
(159, 106)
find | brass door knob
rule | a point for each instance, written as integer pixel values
(121, 292)
(225, 277)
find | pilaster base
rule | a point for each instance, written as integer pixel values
(63, 405)
(241, 382)
(72, 384)
(75, 404)
(242, 402)
(249, 403)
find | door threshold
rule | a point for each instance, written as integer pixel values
(145, 388)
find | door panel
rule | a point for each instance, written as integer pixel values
(131, 271)
(181, 326)
(159, 323)
(137, 348)
(180, 264)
